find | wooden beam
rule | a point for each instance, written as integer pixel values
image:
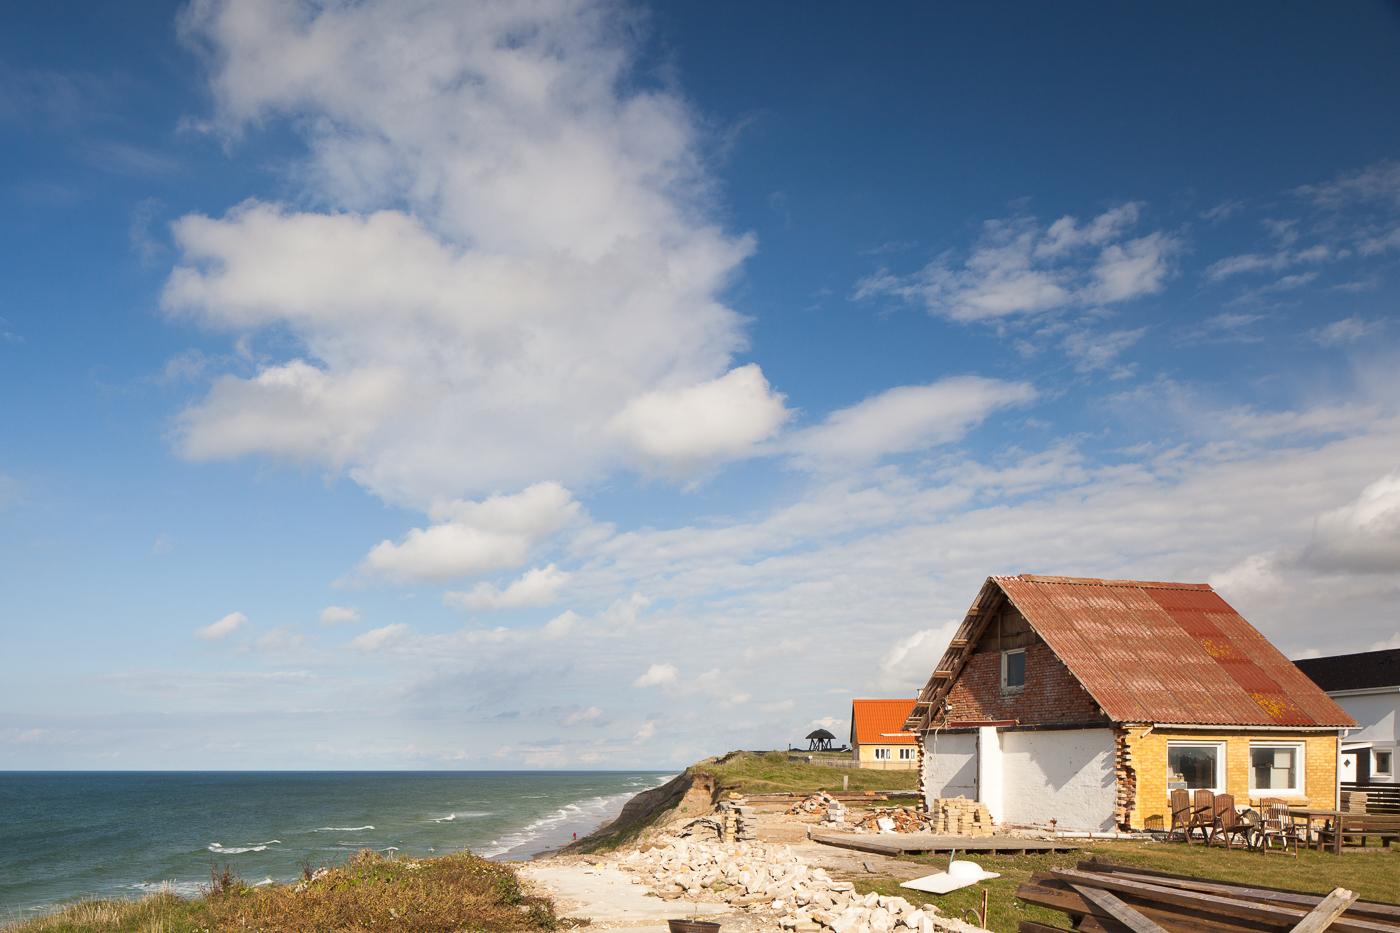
(1321, 916)
(1230, 907)
(1123, 913)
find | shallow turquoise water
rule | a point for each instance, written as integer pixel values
(73, 834)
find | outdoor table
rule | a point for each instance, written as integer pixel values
(1309, 814)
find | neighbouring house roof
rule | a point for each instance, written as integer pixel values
(1354, 671)
(1146, 652)
(881, 722)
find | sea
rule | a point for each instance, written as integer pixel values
(71, 835)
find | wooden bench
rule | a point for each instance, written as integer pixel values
(1361, 826)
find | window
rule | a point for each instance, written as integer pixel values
(907, 754)
(882, 754)
(1276, 768)
(1013, 669)
(1381, 762)
(1196, 767)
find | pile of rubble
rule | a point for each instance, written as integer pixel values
(759, 876)
(816, 803)
(895, 820)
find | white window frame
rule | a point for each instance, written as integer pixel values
(1013, 688)
(1389, 754)
(882, 754)
(1299, 770)
(908, 754)
(1220, 777)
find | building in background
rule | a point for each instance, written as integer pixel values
(1084, 703)
(1367, 686)
(878, 737)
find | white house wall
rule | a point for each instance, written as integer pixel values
(1066, 776)
(950, 765)
(1375, 713)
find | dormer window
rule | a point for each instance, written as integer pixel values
(1013, 669)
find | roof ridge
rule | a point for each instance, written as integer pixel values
(1103, 581)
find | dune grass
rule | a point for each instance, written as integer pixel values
(370, 893)
(775, 773)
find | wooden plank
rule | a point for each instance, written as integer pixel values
(1369, 909)
(1044, 891)
(1126, 915)
(1227, 906)
(1324, 914)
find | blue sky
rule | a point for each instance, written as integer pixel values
(560, 384)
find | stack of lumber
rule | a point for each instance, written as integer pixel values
(958, 816)
(1103, 898)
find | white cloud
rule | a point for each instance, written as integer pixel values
(905, 418)
(222, 628)
(719, 419)
(1347, 330)
(906, 666)
(380, 638)
(1362, 536)
(1018, 268)
(589, 715)
(658, 675)
(646, 731)
(337, 615)
(515, 253)
(475, 537)
(1091, 349)
(560, 626)
(538, 587)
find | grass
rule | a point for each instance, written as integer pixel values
(775, 773)
(1375, 876)
(370, 893)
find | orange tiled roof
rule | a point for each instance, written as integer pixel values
(881, 722)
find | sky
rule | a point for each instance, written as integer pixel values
(561, 384)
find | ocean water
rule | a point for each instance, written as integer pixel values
(65, 835)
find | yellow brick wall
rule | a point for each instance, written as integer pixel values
(1148, 755)
(867, 753)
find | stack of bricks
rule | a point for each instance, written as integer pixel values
(736, 821)
(1126, 799)
(958, 816)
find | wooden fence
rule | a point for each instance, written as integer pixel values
(1380, 798)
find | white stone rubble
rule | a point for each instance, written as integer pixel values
(765, 876)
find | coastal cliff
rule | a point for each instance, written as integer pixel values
(692, 793)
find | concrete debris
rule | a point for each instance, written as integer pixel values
(957, 816)
(768, 877)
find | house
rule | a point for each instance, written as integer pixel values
(1084, 703)
(878, 738)
(1367, 686)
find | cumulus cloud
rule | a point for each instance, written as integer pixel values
(380, 638)
(1019, 268)
(538, 587)
(719, 419)
(1362, 536)
(336, 615)
(513, 276)
(475, 537)
(905, 418)
(222, 628)
(658, 675)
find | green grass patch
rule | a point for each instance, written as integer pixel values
(1375, 876)
(775, 773)
(370, 893)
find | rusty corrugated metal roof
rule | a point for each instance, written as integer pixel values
(1149, 652)
(881, 722)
